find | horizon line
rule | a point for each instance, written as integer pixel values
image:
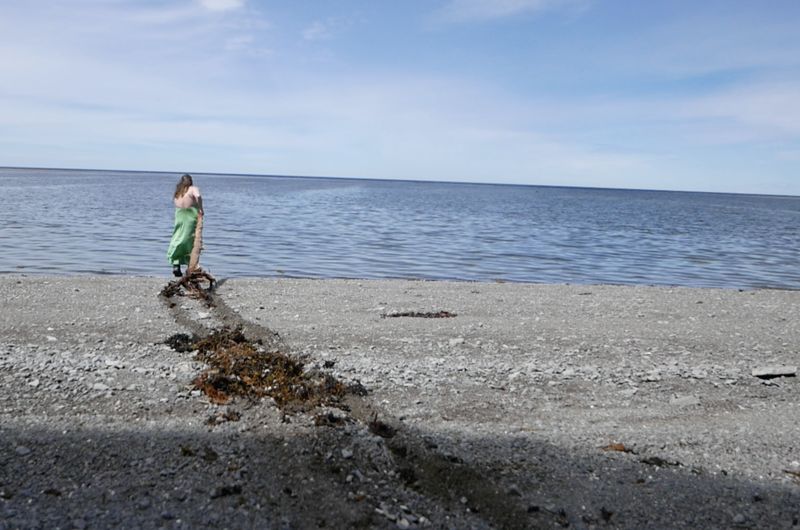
(420, 181)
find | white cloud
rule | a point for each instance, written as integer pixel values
(317, 31)
(222, 5)
(329, 28)
(753, 112)
(476, 10)
(791, 155)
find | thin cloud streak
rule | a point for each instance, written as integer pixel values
(480, 10)
(222, 5)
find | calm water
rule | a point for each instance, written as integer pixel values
(75, 222)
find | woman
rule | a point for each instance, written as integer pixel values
(188, 206)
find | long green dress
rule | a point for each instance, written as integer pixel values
(180, 247)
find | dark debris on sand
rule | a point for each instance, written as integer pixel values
(239, 367)
(191, 285)
(417, 314)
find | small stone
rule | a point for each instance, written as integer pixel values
(652, 377)
(347, 454)
(514, 490)
(100, 386)
(34, 383)
(738, 519)
(21, 450)
(79, 524)
(403, 523)
(463, 500)
(456, 342)
(202, 315)
(143, 503)
(51, 338)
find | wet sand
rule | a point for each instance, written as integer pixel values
(535, 406)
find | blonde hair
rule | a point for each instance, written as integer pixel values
(184, 184)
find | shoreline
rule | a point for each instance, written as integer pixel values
(166, 278)
(514, 399)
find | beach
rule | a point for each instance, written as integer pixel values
(487, 405)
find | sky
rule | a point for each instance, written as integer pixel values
(657, 94)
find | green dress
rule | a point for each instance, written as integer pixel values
(180, 247)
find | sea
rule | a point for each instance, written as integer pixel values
(88, 222)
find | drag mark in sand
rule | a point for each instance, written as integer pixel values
(245, 359)
(240, 367)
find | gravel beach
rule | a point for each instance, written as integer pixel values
(517, 406)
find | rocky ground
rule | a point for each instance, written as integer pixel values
(535, 406)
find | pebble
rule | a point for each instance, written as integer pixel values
(21, 450)
(347, 454)
(739, 519)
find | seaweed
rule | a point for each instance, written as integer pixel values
(417, 314)
(239, 367)
(181, 342)
(191, 285)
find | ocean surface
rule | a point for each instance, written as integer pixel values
(67, 222)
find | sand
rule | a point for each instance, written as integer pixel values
(536, 406)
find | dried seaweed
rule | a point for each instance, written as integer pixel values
(191, 285)
(238, 367)
(417, 314)
(181, 342)
(618, 447)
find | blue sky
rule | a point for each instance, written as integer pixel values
(607, 93)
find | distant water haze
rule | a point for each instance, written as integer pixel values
(67, 222)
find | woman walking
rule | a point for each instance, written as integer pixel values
(188, 206)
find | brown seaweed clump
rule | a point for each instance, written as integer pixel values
(237, 367)
(191, 285)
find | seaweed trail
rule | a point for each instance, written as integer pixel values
(238, 367)
(247, 359)
(241, 367)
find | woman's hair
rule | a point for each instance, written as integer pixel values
(183, 185)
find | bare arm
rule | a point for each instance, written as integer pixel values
(198, 199)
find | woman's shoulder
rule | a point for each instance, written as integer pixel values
(194, 190)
